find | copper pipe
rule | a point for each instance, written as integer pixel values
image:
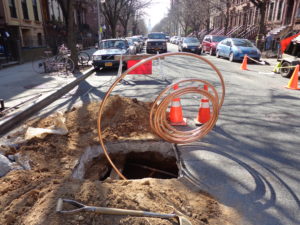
(158, 120)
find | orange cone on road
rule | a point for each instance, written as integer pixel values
(293, 83)
(204, 110)
(244, 63)
(176, 115)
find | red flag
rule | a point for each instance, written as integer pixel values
(145, 68)
(285, 42)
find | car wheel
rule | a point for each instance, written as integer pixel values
(211, 52)
(217, 54)
(179, 50)
(203, 51)
(231, 59)
(286, 72)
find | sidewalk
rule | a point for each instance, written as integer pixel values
(21, 87)
(20, 83)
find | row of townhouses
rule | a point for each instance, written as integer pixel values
(282, 19)
(29, 26)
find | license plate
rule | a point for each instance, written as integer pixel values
(108, 64)
(193, 49)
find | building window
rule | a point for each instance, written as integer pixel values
(271, 11)
(12, 8)
(279, 12)
(35, 10)
(25, 9)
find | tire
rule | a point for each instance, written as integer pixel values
(83, 58)
(231, 59)
(202, 51)
(211, 52)
(286, 72)
(38, 65)
(68, 65)
(217, 54)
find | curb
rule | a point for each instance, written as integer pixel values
(13, 122)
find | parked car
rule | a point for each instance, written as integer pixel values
(189, 44)
(138, 44)
(156, 42)
(210, 43)
(178, 40)
(132, 46)
(172, 39)
(107, 50)
(140, 39)
(236, 48)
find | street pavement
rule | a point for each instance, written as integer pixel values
(249, 161)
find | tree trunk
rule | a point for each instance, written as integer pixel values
(71, 33)
(226, 23)
(262, 28)
(113, 30)
(125, 24)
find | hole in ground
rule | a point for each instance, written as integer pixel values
(133, 165)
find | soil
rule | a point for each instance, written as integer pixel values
(30, 196)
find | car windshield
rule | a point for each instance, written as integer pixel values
(156, 36)
(190, 40)
(217, 38)
(242, 43)
(113, 44)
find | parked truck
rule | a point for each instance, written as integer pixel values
(291, 55)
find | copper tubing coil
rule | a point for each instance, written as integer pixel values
(158, 120)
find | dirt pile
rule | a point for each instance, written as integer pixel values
(29, 197)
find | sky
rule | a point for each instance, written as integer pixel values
(157, 11)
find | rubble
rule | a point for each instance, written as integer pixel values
(48, 165)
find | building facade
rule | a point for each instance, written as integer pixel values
(281, 18)
(85, 20)
(21, 26)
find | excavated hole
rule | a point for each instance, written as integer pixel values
(152, 163)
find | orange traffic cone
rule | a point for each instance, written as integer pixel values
(176, 115)
(293, 83)
(244, 63)
(204, 110)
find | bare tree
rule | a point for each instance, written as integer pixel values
(67, 7)
(112, 10)
(191, 15)
(198, 13)
(132, 8)
(223, 6)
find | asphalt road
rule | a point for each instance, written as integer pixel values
(251, 159)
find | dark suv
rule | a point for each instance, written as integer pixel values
(210, 43)
(156, 42)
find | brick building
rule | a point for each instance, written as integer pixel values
(282, 18)
(21, 27)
